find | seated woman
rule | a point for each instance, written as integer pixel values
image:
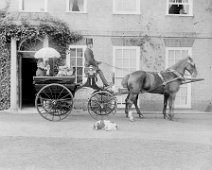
(42, 67)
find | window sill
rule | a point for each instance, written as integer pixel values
(125, 13)
(33, 11)
(179, 15)
(71, 12)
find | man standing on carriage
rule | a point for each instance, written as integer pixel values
(90, 61)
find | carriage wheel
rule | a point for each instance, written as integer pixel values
(54, 102)
(101, 105)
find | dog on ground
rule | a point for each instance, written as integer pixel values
(105, 125)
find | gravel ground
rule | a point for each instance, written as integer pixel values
(29, 142)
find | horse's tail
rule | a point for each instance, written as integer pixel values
(124, 81)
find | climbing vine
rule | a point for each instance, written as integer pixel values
(23, 26)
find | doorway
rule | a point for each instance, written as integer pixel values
(27, 91)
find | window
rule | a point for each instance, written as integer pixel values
(180, 7)
(76, 6)
(33, 6)
(127, 59)
(126, 6)
(173, 54)
(75, 59)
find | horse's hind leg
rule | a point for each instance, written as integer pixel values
(136, 107)
(130, 100)
(166, 96)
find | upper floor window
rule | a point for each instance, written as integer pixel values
(33, 6)
(126, 6)
(179, 7)
(77, 6)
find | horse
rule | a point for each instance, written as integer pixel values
(166, 82)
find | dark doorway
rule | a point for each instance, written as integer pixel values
(28, 68)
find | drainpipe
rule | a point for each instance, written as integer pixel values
(13, 77)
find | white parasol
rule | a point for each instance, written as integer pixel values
(47, 52)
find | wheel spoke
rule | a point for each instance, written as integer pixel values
(61, 93)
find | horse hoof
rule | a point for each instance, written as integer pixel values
(171, 116)
(166, 117)
(141, 116)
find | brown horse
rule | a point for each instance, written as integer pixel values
(166, 82)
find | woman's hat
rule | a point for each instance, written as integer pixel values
(89, 41)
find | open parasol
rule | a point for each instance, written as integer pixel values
(47, 52)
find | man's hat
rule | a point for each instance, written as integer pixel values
(89, 41)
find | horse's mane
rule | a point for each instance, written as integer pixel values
(179, 63)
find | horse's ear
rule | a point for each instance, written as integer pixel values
(190, 60)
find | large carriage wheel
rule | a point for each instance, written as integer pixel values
(102, 104)
(54, 102)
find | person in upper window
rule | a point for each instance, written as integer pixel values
(90, 60)
(176, 9)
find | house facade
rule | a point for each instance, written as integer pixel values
(128, 35)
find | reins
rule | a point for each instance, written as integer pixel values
(124, 69)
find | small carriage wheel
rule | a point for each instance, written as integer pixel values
(102, 104)
(54, 102)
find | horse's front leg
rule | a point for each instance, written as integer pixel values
(171, 106)
(166, 96)
(137, 109)
(127, 106)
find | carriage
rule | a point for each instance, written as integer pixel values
(55, 96)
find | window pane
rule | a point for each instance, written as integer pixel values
(73, 52)
(72, 62)
(126, 56)
(177, 55)
(76, 5)
(172, 1)
(129, 5)
(185, 1)
(184, 53)
(171, 54)
(79, 61)
(80, 54)
(119, 54)
(119, 5)
(32, 5)
(119, 63)
(125, 5)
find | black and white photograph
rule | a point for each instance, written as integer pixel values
(105, 85)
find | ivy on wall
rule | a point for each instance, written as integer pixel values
(23, 26)
(151, 53)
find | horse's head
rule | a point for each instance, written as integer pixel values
(191, 67)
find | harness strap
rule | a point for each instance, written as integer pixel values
(161, 77)
(180, 76)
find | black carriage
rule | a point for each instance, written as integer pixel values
(55, 97)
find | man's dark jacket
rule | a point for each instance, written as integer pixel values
(89, 58)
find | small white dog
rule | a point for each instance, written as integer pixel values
(105, 125)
